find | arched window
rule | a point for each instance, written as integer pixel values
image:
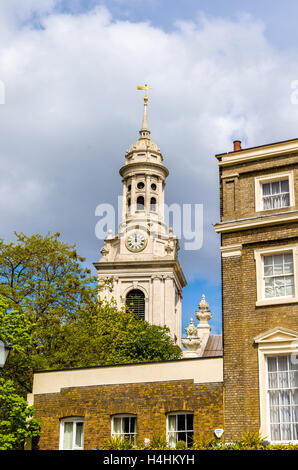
(135, 301)
(128, 205)
(140, 203)
(153, 204)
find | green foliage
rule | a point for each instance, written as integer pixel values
(181, 445)
(117, 443)
(16, 418)
(51, 315)
(111, 336)
(157, 442)
(204, 442)
(248, 441)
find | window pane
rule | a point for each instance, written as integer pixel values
(275, 432)
(275, 187)
(268, 260)
(294, 361)
(282, 363)
(132, 424)
(67, 437)
(272, 380)
(79, 435)
(284, 186)
(269, 287)
(117, 425)
(285, 432)
(272, 364)
(126, 425)
(172, 422)
(172, 439)
(268, 270)
(295, 432)
(293, 375)
(266, 189)
(181, 422)
(189, 419)
(181, 436)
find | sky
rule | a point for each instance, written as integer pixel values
(219, 71)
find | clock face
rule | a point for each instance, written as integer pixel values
(136, 241)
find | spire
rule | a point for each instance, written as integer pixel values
(144, 132)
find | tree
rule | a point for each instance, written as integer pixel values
(105, 335)
(44, 286)
(17, 330)
(16, 418)
(51, 315)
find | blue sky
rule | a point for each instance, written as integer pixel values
(219, 71)
(280, 18)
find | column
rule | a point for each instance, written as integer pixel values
(157, 301)
(124, 201)
(169, 304)
(133, 195)
(147, 195)
(160, 199)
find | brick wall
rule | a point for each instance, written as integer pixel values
(149, 401)
(242, 319)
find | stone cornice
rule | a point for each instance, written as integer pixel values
(163, 264)
(257, 153)
(125, 170)
(255, 222)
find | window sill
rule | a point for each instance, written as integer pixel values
(282, 300)
(274, 211)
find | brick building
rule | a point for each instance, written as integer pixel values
(251, 384)
(259, 243)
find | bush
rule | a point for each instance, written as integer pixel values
(247, 441)
(16, 418)
(117, 443)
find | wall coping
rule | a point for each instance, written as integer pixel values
(200, 370)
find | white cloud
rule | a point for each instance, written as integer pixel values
(72, 110)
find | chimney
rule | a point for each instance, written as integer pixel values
(237, 145)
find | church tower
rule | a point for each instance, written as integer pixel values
(142, 258)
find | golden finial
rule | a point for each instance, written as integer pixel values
(145, 88)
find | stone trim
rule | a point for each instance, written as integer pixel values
(255, 222)
(258, 254)
(273, 177)
(231, 250)
(258, 153)
(277, 341)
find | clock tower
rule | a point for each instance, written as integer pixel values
(142, 258)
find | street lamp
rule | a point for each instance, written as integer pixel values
(4, 352)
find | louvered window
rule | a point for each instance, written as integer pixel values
(135, 300)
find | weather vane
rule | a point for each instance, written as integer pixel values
(145, 88)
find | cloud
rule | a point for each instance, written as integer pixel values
(72, 110)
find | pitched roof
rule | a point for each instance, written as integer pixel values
(213, 346)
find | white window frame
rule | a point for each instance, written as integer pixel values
(268, 400)
(258, 255)
(276, 342)
(289, 175)
(75, 421)
(122, 434)
(176, 413)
